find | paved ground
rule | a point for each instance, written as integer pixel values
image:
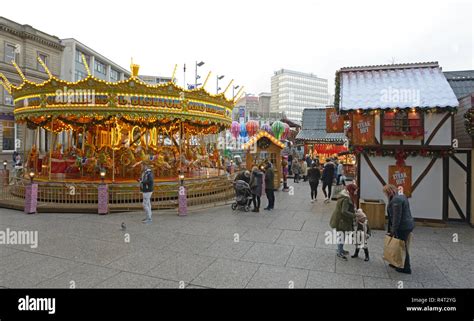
(283, 248)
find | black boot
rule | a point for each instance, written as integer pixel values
(356, 253)
(366, 251)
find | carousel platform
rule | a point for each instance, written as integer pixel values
(82, 197)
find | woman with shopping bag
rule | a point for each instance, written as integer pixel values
(400, 225)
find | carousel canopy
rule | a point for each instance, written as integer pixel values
(420, 85)
(92, 100)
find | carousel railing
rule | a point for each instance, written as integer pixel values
(124, 196)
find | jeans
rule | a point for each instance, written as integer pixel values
(340, 245)
(256, 201)
(314, 189)
(403, 235)
(271, 198)
(147, 205)
(329, 186)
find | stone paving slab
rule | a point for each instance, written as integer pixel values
(274, 248)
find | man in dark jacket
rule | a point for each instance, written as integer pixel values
(400, 221)
(146, 187)
(269, 186)
(327, 179)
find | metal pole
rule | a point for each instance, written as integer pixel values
(196, 76)
(180, 144)
(51, 148)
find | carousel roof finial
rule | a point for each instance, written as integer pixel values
(84, 61)
(5, 83)
(19, 71)
(45, 67)
(228, 86)
(174, 72)
(239, 94)
(134, 69)
(207, 78)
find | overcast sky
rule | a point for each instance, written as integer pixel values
(247, 40)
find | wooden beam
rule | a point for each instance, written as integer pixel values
(423, 174)
(374, 170)
(435, 131)
(458, 161)
(456, 205)
(445, 199)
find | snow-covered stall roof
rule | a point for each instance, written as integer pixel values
(421, 85)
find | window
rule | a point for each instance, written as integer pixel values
(100, 67)
(114, 75)
(8, 135)
(7, 98)
(44, 58)
(9, 53)
(403, 124)
(79, 75)
(79, 57)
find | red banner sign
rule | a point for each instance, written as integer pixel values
(334, 121)
(400, 176)
(363, 129)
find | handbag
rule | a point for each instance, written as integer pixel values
(394, 251)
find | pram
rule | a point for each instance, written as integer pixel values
(243, 196)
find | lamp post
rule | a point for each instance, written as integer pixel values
(5, 164)
(198, 64)
(217, 81)
(103, 194)
(31, 194)
(182, 201)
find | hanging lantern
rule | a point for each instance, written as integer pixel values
(267, 128)
(243, 130)
(235, 129)
(278, 128)
(286, 131)
(252, 127)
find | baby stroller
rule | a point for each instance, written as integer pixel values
(243, 196)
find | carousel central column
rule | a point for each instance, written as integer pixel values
(50, 148)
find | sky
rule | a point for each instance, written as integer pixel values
(248, 40)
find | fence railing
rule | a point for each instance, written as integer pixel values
(122, 196)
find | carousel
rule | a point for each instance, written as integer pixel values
(99, 131)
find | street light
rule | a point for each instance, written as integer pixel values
(5, 164)
(102, 174)
(181, 178)
(217, 79)
(233, 89)
(32, 176)
(198, 64)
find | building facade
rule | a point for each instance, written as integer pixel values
(23, 44)
(154, 80)
(73, 68)
(264, 102)
(293, 91)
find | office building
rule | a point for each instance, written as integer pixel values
(293, 91)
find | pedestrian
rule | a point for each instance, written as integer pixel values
(269, 187)
(363, 233)
(314, 174)
(336, 163)
(327, 179)
(304, 170)
(400, 221)
(256, 182)
(296, 171)
(290, 164)
(342, 219)
(284, 164)
(340, 174)
(309, 161)
(146, 187)
(243, 175)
